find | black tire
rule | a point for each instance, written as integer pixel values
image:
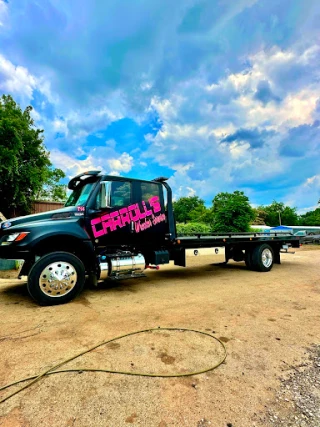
(62, 277)
(262, 258)
(248, 258)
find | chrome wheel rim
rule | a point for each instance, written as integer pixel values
(58, 279)
(267, 258)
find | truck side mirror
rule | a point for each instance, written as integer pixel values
(105, 195)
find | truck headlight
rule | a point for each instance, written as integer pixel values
(13, 237)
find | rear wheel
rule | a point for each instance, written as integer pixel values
(262, 258)
(56, 278)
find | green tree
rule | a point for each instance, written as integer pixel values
(232, 212)
(24, 162)
(278, 212)
(310, 218)
(202, 214)
(51, 189)
(185, 205)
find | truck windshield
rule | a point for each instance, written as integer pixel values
(80, 195)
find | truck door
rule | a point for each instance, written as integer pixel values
(150, 227)
(110, 221)
(128, 212)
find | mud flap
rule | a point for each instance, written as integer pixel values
(180, 257)
(276, 257)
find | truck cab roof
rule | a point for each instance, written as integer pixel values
(81, 178)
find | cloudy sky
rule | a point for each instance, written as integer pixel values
(218, 95)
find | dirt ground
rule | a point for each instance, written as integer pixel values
(268, 322)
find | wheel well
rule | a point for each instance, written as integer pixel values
(65, 244)
(274, 245)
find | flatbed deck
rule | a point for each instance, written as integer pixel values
(215, 239)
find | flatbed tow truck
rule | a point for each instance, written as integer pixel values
(114, 227)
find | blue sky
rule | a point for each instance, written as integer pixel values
(218, 95)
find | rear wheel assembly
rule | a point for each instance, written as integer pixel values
(262, 258)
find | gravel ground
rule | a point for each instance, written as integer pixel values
(269, 323)
(297, 402)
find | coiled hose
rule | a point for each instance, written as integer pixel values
(54, 370)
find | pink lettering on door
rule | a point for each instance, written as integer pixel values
(143, 218)
(97, 233)
(125, 218)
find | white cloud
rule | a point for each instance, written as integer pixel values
(19, 82)
(299, 100)
(78, 124)
(103, 159)
(3, 13)
(145, 86)
(198, 115)
(294, 110)
(44, 86)
(16, 80)
(191, 192)
(72, 166)
(306, 194)
(36, 116)
(239, 150)
(166, 108)
(60, 126)
(123, 163)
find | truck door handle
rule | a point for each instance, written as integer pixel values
(131, 226)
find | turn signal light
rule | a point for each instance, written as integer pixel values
(21, 236)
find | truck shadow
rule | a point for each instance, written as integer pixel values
(180, 273)
(16, 293)
(175, 273)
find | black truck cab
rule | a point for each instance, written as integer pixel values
(118, 210)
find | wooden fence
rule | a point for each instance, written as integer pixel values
(44, 206)
(37, 207)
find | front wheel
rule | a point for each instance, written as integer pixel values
(56, 278)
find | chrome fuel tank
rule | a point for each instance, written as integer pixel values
(122, 265)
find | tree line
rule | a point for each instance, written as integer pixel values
(232, 212)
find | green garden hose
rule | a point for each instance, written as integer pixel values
(53, 370)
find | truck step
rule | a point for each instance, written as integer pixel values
(127, 276)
